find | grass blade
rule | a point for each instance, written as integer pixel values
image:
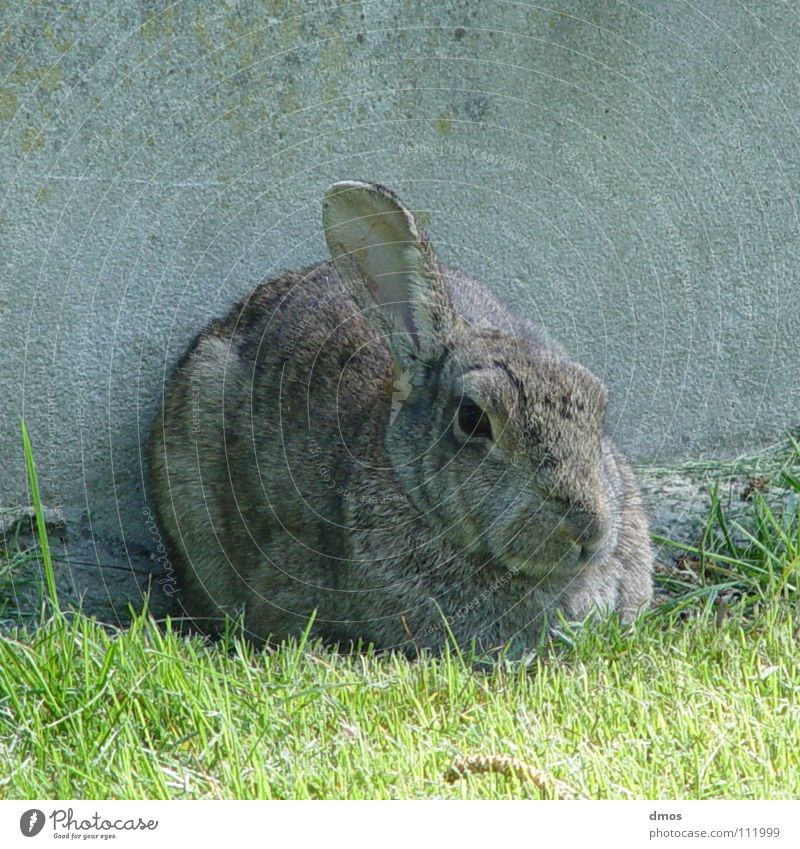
(41, 529)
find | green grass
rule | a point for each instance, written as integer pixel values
(700, 699)
(752, 558)
(16, 584)
(699, 711)
(41, 530)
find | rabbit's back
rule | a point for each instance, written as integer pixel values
(249, 454)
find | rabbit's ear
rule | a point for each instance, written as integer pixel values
(385, 261)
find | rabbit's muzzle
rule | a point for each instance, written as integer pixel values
(555, 537)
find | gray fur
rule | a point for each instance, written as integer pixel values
(307, 457)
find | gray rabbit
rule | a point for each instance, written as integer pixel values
(377, 442)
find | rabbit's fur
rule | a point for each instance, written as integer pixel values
(310, 457)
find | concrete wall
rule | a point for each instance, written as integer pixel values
(625, 173)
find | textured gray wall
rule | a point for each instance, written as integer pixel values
(624, 172)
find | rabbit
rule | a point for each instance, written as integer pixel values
(373, 450)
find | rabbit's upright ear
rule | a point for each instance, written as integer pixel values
(388, 266)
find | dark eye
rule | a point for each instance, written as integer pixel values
(472, 420)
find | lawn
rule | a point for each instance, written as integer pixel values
(699, 699)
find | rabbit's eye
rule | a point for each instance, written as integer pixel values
(473, 421)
